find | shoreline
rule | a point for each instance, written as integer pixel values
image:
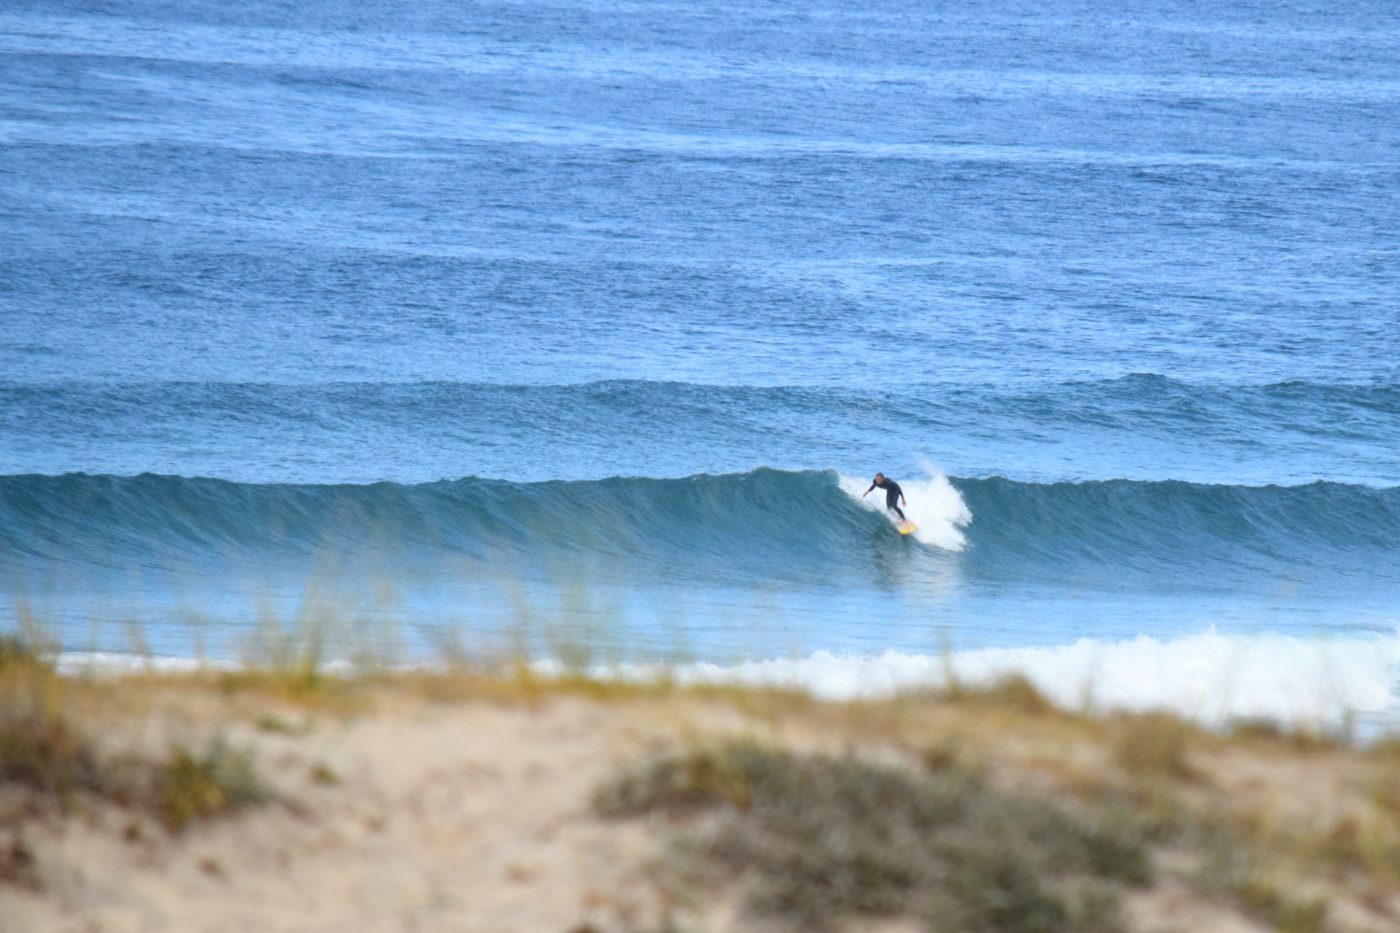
(1339, 685)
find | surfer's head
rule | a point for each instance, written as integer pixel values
(879, 478)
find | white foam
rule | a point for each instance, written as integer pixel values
(933, 504)
(1209, 677)
(119, 664)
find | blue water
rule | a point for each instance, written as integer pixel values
(590, 319)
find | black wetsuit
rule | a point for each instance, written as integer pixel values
(892, 494)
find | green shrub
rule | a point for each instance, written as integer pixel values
(830, 837)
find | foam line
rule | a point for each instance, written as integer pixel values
(1209, 677)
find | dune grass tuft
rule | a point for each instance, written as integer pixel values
(45, 751)
(1298, 739)
(191, 786)
(1154, 745)
(691, 782)
(1284, 912)
(16, 651)
(827, 838)
(40, 748)
(1014, 692)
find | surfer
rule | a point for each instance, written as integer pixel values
(893, 494)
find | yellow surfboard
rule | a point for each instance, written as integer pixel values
(907, 528)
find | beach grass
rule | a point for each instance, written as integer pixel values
(197, 785)
(40, 747)
(46, 749)
(973, 806)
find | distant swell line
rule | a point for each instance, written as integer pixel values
(1303, 403)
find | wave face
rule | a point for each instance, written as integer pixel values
(1188, 536)
(762, 527)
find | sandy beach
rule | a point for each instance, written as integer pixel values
(470, 803)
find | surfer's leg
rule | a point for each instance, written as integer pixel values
(891, 501)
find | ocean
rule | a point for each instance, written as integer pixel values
(578, 327)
